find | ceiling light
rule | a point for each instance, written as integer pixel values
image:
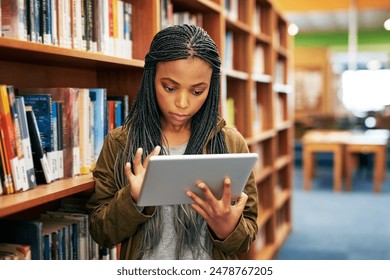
(293, 29)
(387, 24)
(374, 64)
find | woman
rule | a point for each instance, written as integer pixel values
(174, 112)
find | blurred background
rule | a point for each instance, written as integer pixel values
(342, 83)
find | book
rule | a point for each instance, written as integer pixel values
(54, 161)
(13, 19)
(42, 105)
(84, 127)
(23, 232)
(45, 22)
(26, 142)
(21, 180)
(34, 16)
(10, 145)
(99, 98)
(125, 105)
(18, 251)
(82, 237)
(60, 133)
(71, 144)
(41, 164)
(5, 171)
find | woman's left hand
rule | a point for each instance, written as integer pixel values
(221, 216)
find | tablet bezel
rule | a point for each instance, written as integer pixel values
(168, 177)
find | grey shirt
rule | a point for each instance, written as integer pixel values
(165, 250)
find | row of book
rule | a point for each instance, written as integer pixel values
(169, 17)
(91, 25)
(53, 133)
(61, 234)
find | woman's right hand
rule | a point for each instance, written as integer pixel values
(137, 177)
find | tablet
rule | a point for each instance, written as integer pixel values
(168, 177)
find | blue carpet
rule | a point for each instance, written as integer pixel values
(338, 226)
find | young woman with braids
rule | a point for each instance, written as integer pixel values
(174, 112)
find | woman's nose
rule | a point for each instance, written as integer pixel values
(182, 100)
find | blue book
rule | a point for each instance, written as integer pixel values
(71, 143)
(42, 106)
(23, 232)
(99, 98)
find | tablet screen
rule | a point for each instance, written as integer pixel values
(168, 177)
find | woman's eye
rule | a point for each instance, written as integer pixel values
(169, 89)
(199, 92)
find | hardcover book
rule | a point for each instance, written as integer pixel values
(42, 106)
(13, 19)
(71, 144)
(84, 127)
(9, 140)
(23, 232)
(15, 251)
(99, 98)
(41, 164)
(26, 142)
(21, 179)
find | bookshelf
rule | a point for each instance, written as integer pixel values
(255, 80)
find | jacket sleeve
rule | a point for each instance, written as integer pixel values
(244, 234)
(113, 216)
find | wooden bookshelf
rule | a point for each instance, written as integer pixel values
(254, 89)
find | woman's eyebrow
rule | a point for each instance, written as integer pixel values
(176, 83)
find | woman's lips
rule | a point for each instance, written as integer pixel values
(179, 117)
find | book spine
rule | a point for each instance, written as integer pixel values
(60, 144)
(13, 19)
(54, 22)
(54, 154)
(5, 171)
(41, 164)
(99, 98)
(21, 183)
(84, 101)
(9, 142)
(42, 105)
(29, 164)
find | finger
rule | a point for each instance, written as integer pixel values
(227, 191)
(208, 195)
(242, 200)
(155, 152)
(137, 164)
(200, 211)
(128, 172)
(201, 204)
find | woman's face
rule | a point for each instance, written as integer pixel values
(182, 87)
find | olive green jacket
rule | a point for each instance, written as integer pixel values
(114, 217)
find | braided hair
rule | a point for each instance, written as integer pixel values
(144, 127)
(174, 43)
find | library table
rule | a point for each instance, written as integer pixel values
(345, 144)
(316, 141)
(368, 142)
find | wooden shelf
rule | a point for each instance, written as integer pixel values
(42, 194)
(36, 53)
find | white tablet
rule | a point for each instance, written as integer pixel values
(168, 177)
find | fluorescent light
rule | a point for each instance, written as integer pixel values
(293, 29)
(387, 24)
